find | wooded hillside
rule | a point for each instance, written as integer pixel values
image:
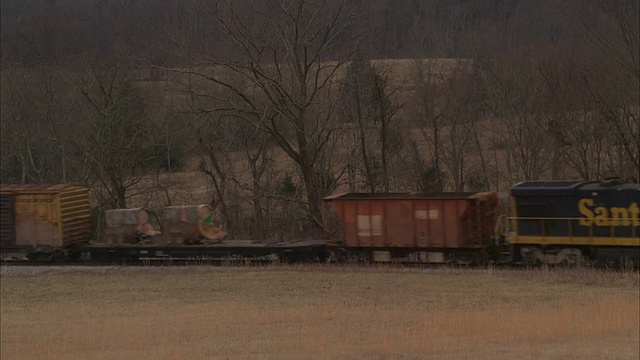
(261, 108)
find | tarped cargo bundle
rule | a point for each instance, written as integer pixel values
(190, 223)
(126, 226)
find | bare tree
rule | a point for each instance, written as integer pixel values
(515, 97)
(215, 139)
(573, 121)
(36, 118)
(356, 111)
(615, 85)
(115, 143)
(459, 115)
(366, 107)
(428, 78)
(258, 155)
(274, 68)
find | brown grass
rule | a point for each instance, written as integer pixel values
(319, 313)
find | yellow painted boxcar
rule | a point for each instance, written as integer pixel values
(42, 218)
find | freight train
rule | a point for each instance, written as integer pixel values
(550, 222)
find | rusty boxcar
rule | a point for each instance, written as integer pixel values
(442, 227)
(44, 219)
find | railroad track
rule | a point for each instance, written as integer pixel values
(226, 262)
(141, 262)
(239, 261)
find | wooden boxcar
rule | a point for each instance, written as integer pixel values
(439, 227)
(43, 218)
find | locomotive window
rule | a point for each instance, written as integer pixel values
(529, 227)
(534, 207)
(556, 227)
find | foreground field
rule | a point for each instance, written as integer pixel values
(318, 313)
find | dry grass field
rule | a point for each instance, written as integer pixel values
(318, 312)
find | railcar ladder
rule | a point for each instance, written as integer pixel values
(475, 220)
(476, 215)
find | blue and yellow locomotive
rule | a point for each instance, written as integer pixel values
(557, 222)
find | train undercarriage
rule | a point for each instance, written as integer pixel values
(576, 255)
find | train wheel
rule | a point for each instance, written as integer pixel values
(359, 257)
(74, 255)
(39, 257)
(570, 257)
(288, 258)
(530, 255)
(321, 258)
(465, 258)
(338, 256)
(59, 256)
